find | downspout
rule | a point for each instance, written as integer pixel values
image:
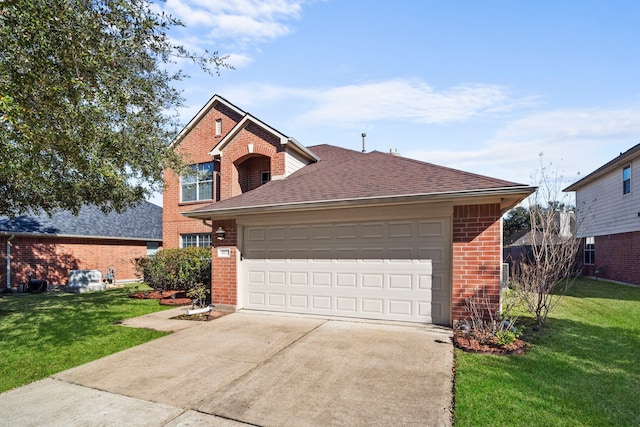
(9, 260)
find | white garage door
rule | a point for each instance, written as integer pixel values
(392, 270)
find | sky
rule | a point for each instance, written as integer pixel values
(499, 88)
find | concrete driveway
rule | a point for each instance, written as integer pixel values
(252, 368)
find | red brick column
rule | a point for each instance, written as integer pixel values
(224, 284)
(476, 255)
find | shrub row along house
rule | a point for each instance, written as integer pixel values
(48, 248)
(326, 230)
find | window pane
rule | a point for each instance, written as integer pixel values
(205, 171)
(189, 240)
(626, 180)
(204, 240)
(206, 191)
(188, 192)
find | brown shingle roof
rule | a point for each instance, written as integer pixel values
(347, 175)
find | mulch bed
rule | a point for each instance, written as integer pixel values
(472, 345)
(173, 298)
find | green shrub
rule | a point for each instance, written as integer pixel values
(180, 269)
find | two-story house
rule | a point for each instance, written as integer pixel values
(608, 218)
(330, 231)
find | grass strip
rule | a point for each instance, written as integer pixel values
(42, 334)
(583, 368)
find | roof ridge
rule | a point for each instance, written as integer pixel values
(434, 165)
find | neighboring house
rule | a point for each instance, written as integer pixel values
(608, 216)
(519, 245)
(326, 230)
(49, 247)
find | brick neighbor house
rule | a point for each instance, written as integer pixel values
(49, 247)
(326, 230)
(608, 217)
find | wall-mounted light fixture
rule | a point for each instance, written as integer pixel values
(220, 233)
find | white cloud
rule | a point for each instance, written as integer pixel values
(572, 143)
(396, 99)
(237, 21)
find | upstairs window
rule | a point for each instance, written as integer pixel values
(626, 180)
(218, 127)
(200, 240)
(198, 186)
(265, 177)
(590, 251)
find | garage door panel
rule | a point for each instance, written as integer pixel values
(401, 229)
(377, 270)
(430, 228)
(347, 279)
(277, 278)
(400, 307)
(320, 302)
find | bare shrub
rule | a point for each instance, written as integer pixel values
(487, 326)
(541, 277)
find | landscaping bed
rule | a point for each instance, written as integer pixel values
(171, 298)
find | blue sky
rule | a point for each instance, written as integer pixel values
(482, 86)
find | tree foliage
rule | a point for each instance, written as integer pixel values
(516, 220)
(86, 102)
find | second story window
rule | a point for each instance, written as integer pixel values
(265, 177)
(218, 127)
(626, 180)
(198, 186)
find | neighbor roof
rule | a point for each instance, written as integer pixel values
(143, 222)
(622, 159)
(344, 175)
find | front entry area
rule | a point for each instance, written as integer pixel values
(387, 270)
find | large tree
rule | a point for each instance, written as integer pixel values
(87, 104)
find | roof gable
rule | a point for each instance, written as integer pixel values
(242, 124)
(215, 99)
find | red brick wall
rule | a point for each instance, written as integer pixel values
(249, 171)
(619, 254)
(195, 147)
(237, 152)
(476, 255)
(224, 285)
(52, 258)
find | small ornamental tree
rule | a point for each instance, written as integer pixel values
(541, 277)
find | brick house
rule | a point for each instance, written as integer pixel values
(49, 247)
(608, 217)
(326, 230)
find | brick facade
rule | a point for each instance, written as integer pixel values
(616, 257)
(195, 148)
(52, 258)
(224, 282)
(245, 157)
(476, 256)
(476, 229)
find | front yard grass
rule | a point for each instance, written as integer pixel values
(582, 370)
(41, 334)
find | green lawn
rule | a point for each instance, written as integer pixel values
(41, 334)
(583, 368)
